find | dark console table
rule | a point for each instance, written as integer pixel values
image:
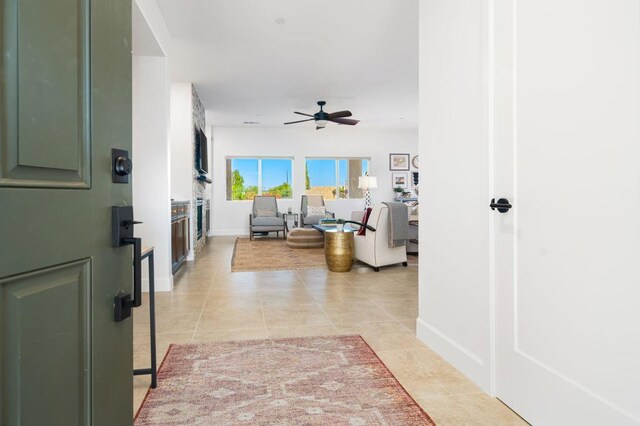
(180, 238)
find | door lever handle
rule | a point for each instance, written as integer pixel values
(137, 272)
(122, 301)
(128, 223)
(502, 205)
(122, 235)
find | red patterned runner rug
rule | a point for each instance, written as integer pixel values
(332, 380)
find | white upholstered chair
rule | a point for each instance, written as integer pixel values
(373, 247)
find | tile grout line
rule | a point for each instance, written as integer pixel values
(264, 316)
(324, 312)
(383, 310)
(394, 318)
(206, 299)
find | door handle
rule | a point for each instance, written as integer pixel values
(137, 272)
(122, 235)
(502, 205)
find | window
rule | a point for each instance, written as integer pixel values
(335, 178)
(248, 177)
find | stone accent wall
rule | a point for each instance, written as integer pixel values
(199, 188)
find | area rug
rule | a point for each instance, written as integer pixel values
(331, 380)
(271, 254)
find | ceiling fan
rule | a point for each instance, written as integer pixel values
(322, 118)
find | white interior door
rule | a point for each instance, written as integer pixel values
(566, 75)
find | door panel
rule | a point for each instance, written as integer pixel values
(112, 350)
(45, 95)
(65, 102)
(46, 351)
(568, 157)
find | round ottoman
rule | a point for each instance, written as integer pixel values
(305, 238)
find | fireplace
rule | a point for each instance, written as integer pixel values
(199, 218)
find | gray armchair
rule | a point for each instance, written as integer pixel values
(307, 219)
(265, 217)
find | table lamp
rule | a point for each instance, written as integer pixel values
(367, 183)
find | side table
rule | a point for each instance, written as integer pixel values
(338, 247)
(338, 250)
(295, 216)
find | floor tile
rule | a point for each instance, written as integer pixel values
(169, 301)
(477, 409)
(300, 315)
(355, 313)
(293, 297)
(167, 322)
(210, 303)
(230, 334)
(231, 318)
(301, 331)
(400, 309)
(218, 300)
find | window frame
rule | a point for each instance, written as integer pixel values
(259, 158)
(337, 161)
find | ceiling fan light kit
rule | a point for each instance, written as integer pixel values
(322, 118)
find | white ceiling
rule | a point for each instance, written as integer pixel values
(360, 55)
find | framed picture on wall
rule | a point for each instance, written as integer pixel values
(399, 162)
(400, 180)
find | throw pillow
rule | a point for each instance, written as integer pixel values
(265, 213)
(365, 219)
(316, 210)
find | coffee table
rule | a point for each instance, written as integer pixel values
(333, 228)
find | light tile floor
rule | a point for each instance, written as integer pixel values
(210, 303)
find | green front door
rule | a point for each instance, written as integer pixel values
(65, 102)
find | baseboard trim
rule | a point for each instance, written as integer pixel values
(470, 364)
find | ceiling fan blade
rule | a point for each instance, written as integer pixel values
(318, 127)
(300, 121)
(347, 121)
(339, 114)
(302, 113)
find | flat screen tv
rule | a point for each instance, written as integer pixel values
(202, 155)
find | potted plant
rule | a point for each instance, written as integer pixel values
(398, 190)
(342, 192)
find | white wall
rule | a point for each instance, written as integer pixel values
(150, 134)
(455, 302)
(181, 135)
(151, 180)
(232, 217)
